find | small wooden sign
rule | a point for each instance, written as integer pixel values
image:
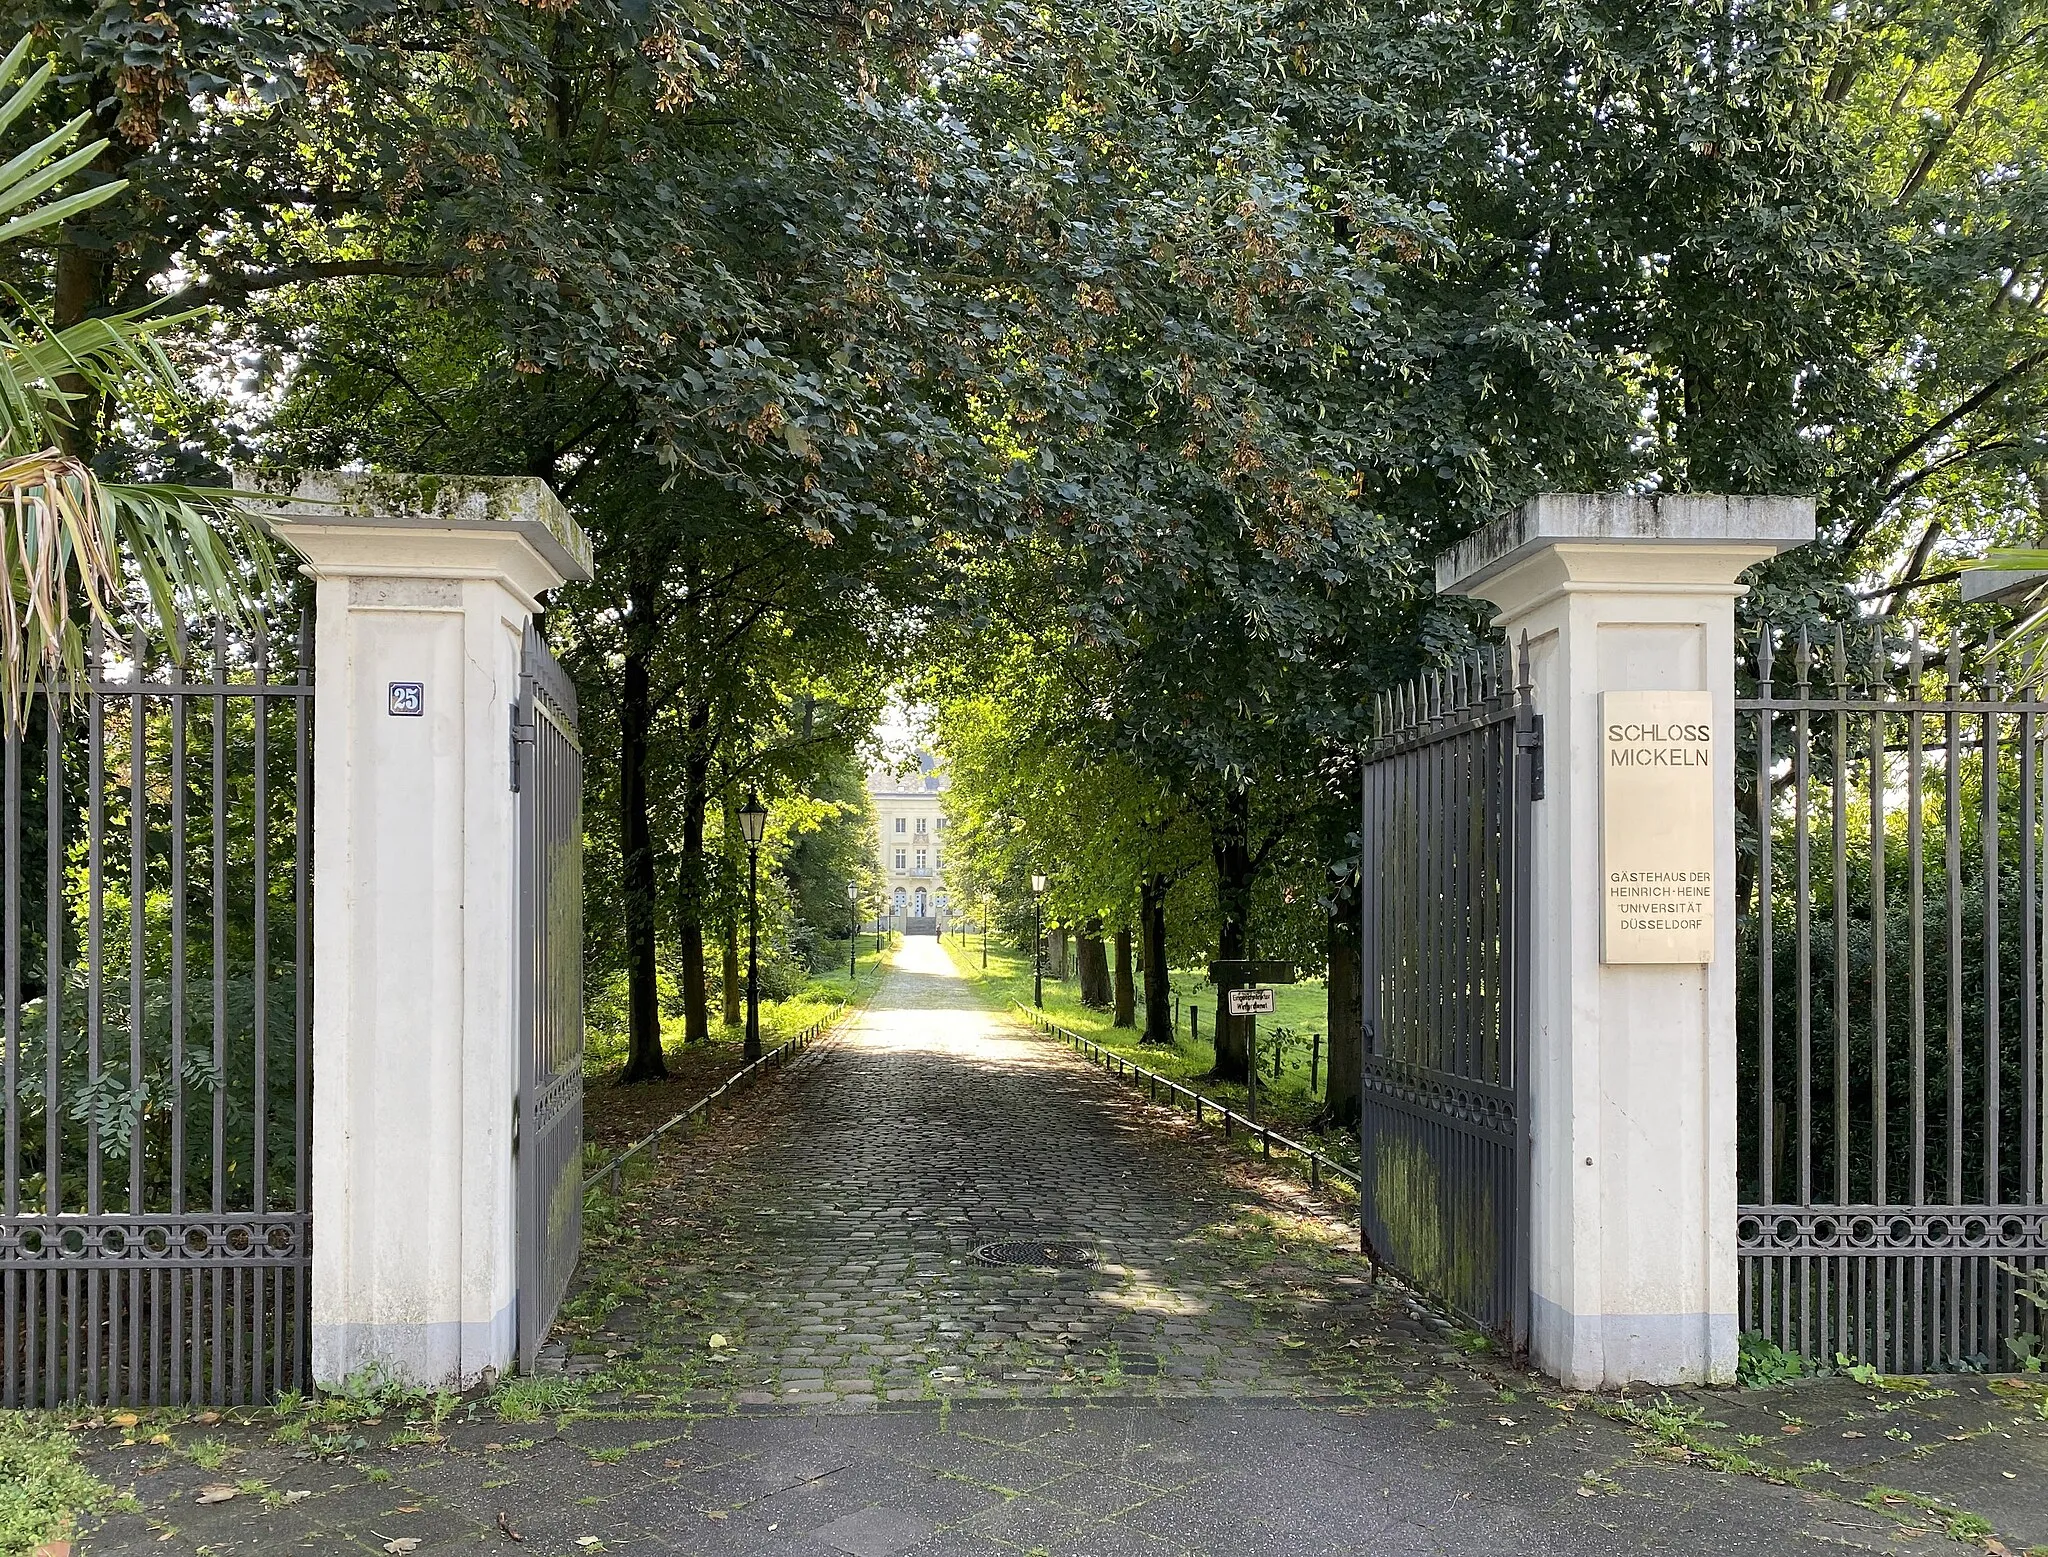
(1249, 1002)
(1242, 972)
(1657, 827)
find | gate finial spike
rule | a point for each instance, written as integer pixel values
(1763, 659)
(1523, 684)
(1802, 662)
(1841, 664)
(1916, 668)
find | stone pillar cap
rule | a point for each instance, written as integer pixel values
(2001, 586)
(1766, 524)
(381, 500)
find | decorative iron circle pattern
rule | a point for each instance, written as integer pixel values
(113, 1240)
(1980, 1230)
(1038, 1254)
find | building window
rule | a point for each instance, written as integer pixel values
(940, 824)
(920, 859)
(899, 824)
(935, 859)
(899, 859)
(920, 824)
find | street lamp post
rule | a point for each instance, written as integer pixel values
(852, 931)
(753, 822)
(986, 900)
(1038, 942)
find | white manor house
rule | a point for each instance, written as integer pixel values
(911, 826)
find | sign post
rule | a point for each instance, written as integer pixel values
(1251, 1003)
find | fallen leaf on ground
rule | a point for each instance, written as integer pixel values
(398, 1546)
(52, 1549)
(718, 1341)
(125, 1419)
(505, 1525)
(714, 1513)
(207, 1418)
(294, 1497)
(217, 1493)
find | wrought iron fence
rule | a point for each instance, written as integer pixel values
(1449, 780)
(156, 855)
(1890, 869)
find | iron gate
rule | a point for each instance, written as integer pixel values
(547, 772)
(1891, 866)
(156, 852)
(1456, 762)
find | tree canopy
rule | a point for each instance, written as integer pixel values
(1108, 376)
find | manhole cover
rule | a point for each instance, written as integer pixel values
(1036, 1252)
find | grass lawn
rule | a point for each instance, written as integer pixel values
(1288, 1102)
(615, 1116)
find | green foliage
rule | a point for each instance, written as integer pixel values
(73, 545)
(43, 1488)
(529, 1399)
(1762, 1364)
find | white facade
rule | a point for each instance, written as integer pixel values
(914, 838)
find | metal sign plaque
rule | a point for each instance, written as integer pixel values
(408, 700)
(1250, 1002)
(1657, 827)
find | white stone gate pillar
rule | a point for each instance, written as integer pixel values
(1632, 1058)
(424, 586)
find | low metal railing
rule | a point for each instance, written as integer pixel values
(615, 1167)
(1320, 1164)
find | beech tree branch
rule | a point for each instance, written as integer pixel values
(248, 283)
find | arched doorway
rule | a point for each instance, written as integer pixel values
(920, 912)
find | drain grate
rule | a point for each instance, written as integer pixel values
(1037, 1253)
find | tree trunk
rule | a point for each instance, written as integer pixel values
(82, 286)
(1158, 992)
(729, 975)
(1347, 1015)
(643, 1009)
(1230, 845)
(1126, 1002)
(729, 968)
(690, 926)
(1091, 959)
(1056, 954)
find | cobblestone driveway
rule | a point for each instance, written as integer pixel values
(834, 1252)
(782, 1343)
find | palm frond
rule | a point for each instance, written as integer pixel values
(76, 550)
